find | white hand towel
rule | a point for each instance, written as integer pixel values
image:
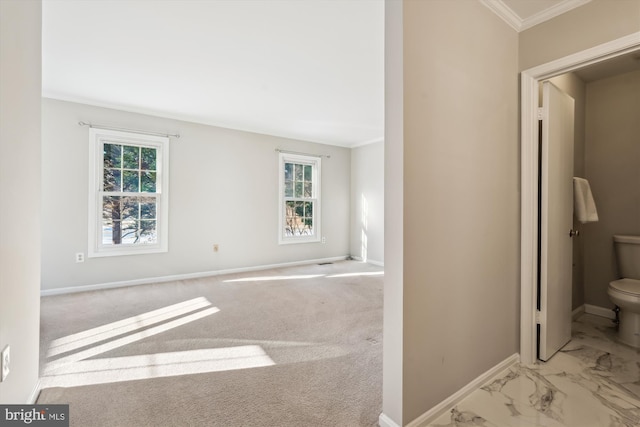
(584, 207)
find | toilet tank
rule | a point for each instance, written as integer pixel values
(628, 256)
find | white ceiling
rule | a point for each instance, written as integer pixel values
(310, 70)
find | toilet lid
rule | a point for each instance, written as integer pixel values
(628, 286)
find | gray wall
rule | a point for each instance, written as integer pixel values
(592, 24)
(20, 88)
(576, 88)
(367, 202)
(223, 189)
(612, 162)
(461, 198)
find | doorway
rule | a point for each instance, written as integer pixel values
(529, 173)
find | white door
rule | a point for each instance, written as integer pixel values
(556, 220)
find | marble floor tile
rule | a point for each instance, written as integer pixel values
(593, 381)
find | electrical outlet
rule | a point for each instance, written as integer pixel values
(5, 360)
(80, 257)
(324, 239)
(215, 248)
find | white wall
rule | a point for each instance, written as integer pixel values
(223, 189)
(20, 65)
(367, 203)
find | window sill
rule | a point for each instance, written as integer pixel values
(125, 251)
(297, 240)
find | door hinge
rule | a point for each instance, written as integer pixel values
(537, 317)
(540, 113)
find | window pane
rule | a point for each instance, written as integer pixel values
(288, 171)
(130, 181)
(289, 208)
(308, 173)
(111, 208)
(289, 218)
(148, 232)
(299, 187)
(112, 180)
(298, 172)
(148, 182)
(111, 155)
(308, 189)
(130, 208)
(308, 218)
(112, 232)
(147, 208)
(107, 232)
(148, 158)
(296, 221)
(288, 188)
(129, 232)
(131, 157)
(111, 215)
(308, 226)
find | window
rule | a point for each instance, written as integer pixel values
(299, 198)
(128, 195)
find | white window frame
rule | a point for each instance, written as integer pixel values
(98, 137)
(315, 162)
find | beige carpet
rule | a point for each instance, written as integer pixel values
(300, 346)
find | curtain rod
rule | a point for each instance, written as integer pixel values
(302, 154)
(91, 125)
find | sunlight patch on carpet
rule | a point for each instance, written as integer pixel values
(101, 333)
(157, 365)
(305, 276)
(269, 278)
(366, 273)
(121, 342)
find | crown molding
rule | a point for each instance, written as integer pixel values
(517, 23)
(551, 12)
(504, 12)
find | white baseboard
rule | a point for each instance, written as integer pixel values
(33, 397)
(446, 405)
(599, 311)
(148, 280)
(385, 421)
(368, 261)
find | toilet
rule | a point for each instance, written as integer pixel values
(625, 292)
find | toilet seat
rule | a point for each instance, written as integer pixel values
(629, 287)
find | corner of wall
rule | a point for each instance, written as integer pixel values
(20, 138)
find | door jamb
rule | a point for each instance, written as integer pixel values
(530, 79)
